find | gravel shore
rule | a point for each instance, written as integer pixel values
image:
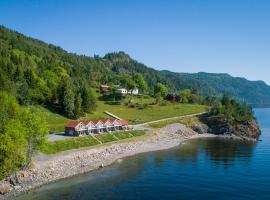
(50, 168)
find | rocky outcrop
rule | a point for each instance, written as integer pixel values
(221, 126)
(200, 128)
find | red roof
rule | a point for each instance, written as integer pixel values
(107, 119)
(86, 121)
(95, 121)
(72, 124)
(123, 122)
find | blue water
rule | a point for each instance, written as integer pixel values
(199, 169)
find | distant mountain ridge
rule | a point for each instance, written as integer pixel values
(30, 67)
(252, 92)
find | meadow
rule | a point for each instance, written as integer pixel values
(133, 115)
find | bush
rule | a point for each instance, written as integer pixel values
(142, 106)
(113, 102)
(163, 103)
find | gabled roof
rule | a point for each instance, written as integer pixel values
(95, 122)
(75, 123)
(103, 120)
(86, 122)
(123, 122)
(72, 124)
(107, 120)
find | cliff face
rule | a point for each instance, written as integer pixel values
(220, 125)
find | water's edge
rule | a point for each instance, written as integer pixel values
(68, 164)
(203, 168)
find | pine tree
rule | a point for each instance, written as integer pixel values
(89, 101)
(68, 99)
(93, 100)
(78, 106)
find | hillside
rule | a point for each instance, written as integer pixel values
(252, 92)
(35, 72)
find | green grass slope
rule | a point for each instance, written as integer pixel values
(56, 122)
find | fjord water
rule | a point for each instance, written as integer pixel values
(198, 169)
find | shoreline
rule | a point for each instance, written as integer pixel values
(51, 168)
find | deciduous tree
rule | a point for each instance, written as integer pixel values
(160, 89)
(141, 84)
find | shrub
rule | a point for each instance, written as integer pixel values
(163, 103)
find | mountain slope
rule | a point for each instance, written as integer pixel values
(252, 92)
(35, 71)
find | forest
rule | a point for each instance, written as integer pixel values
(40, 73)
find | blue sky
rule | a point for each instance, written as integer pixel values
(230, 36)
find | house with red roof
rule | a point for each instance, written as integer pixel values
(87, 127)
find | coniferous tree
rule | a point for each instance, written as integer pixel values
(23, 94)
(68, 99)
(88, 100)
(93, 100)
(78, 106)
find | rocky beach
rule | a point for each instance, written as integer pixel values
(50, 168)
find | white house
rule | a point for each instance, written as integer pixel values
(125, 91)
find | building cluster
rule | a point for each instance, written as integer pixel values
(123, 91)
(87, 127)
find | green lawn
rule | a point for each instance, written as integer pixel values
(56, 122)
(123, 135)
(186, 121)
(87, 141)
(164, 123)
(106, 138)
(151, 113)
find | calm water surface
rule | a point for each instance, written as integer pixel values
(199, 169)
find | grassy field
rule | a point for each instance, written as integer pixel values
(56, 121)
(151, 113)
(186, 121)
(87, 141)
